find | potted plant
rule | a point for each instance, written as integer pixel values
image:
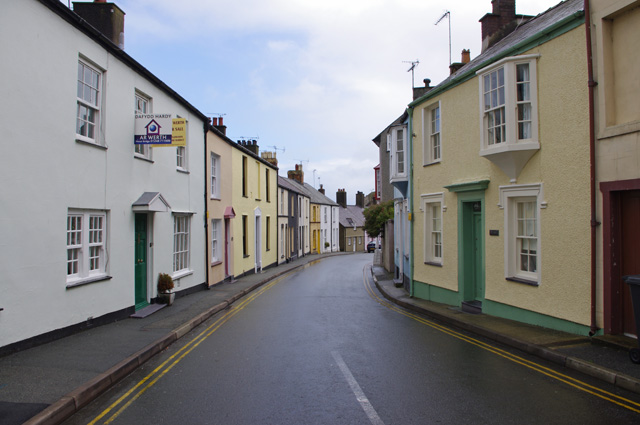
(165, 285)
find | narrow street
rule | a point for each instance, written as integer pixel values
(320, 346)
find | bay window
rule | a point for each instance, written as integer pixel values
(509, 113)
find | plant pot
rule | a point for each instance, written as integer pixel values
(166, 298)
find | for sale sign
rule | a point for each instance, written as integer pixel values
(160, 130)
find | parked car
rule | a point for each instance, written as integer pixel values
(371, 247)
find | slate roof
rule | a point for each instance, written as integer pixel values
(316, 197)
(534, 29)
(291, 186)
(351, 215)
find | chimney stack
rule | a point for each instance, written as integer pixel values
(297, 174)
(341, 198)
(420, 91)
(251, 145)
(500, 22)
(360, 199)
(105, 17)
(218, 124)
(321, 190)
(270, 157)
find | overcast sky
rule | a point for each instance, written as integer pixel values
(317, 80)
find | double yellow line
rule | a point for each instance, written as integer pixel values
(576, 383)
(148, 381)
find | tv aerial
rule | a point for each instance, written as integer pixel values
(412, 69)
(447, 15)
(275, 148)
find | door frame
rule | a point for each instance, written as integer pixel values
(468, 194)
(137, 284)
(227, 243)
(611, 241)
(258, 239)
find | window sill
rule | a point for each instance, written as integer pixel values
(245, 256)
(182, 170)
(181, 273)
(215, 198)
(433, 263)
(90, 143)
(143, 158)
(216, 263)
(523, 281)
(428, 164)
(86, 281)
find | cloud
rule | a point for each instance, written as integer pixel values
(318, 78)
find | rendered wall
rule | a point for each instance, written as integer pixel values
(52, 173)
(561, 165)
(256, 200)
(218, 205)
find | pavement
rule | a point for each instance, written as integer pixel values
(49, 383)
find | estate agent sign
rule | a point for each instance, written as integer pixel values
(160, 130)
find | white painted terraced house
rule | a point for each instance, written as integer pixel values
(88, 218)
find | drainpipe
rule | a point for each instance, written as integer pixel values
(592, 158)
(206, 208)
(410, 194)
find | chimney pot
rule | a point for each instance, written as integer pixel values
(466, 56)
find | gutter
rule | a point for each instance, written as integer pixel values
(592, 159)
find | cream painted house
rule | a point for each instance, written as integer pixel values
(614, 33)
(220, 212)
(499, 191)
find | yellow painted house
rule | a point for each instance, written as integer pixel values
(254, 198)
(499, 183)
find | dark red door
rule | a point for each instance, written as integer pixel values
(630, 252)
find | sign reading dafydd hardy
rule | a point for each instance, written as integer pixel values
(160, 130)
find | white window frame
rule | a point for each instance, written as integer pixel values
(181, 244)
(431, 240)
(509, 126)
(216, 226)
(181, 158)
(142, 105)
(215, 176)
(89, 99)
(432, 139)
(510, 196)
(398, 139)
(182, 155)
(86, 245)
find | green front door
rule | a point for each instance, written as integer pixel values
(478, 269)
(472, 252)
(141, 261)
